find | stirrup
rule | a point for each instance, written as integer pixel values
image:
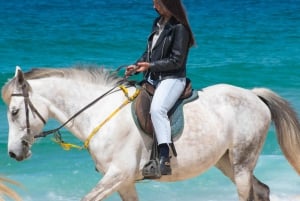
(151, 170)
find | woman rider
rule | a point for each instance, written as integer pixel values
(164, 66)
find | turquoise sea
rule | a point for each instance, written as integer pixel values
(248, 43)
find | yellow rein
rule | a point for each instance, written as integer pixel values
(68, 146)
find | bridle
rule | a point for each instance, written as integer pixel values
(28, 104)
(29, 139)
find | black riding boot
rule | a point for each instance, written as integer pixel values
(164, 159)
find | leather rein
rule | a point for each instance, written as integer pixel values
(28, 104)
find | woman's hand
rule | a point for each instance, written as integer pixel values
(130, 70)
(140, 67)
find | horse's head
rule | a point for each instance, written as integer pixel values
(25, 115)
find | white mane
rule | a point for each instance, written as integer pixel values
(83, 73)
(92, 74)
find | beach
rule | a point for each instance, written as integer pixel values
(244, 43)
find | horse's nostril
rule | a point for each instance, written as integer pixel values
(12, 154)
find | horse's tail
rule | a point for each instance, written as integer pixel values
(286, 123)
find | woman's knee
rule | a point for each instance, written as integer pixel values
(158, 112)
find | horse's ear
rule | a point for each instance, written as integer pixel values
(19, 75)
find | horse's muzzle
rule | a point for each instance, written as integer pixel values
(23, 154)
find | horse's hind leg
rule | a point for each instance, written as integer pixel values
(259, 192)
(243, 181)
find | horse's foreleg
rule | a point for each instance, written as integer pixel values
(128, 193)
(111, 182)
(105, 187)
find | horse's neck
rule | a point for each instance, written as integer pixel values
(66, 99)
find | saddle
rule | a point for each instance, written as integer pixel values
(141, 108)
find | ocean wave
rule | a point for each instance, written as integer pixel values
(285, 197)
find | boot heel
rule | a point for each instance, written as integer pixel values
(165, 166)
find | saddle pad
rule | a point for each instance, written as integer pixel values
(140, 112)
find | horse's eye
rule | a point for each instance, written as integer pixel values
(14, 111)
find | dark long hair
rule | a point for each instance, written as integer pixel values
(176, 8)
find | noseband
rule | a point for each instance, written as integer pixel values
(28, 104)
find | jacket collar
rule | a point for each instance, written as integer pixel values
(171, 23)
(168, 27)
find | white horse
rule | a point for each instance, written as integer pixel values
(225, 127)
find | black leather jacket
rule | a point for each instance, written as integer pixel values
(169, 55)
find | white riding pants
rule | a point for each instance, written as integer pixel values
(166, 94)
